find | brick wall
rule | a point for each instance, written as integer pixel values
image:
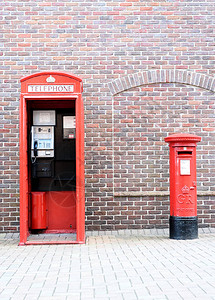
(142, 118)
(126, 121)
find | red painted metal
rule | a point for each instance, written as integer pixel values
(38, 210)
(51, 100)
(183, 193)
(52, 242)
(61, 210)
(47, 73)
(23, 173)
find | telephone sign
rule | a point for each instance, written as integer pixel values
(50, 88)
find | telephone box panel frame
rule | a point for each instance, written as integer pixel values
(76, 96)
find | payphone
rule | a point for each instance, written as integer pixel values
(42, 141)
(42, 134)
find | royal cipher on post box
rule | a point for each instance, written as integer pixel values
(183, 194)
(51, 159)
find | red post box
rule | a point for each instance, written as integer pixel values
(183, 194)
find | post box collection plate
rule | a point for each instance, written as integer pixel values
(184, 167)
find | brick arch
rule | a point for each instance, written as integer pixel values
(161, 76)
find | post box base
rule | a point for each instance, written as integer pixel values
(183, 228)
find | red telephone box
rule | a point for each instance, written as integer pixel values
(183, 194)
(52, 197)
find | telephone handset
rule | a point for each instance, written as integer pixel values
(35, 149)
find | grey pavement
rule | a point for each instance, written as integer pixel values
(143, 264)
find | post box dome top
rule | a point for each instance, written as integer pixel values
(182, 137)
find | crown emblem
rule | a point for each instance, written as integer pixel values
(185, 189)
(50, 79)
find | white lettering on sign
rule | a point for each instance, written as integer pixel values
(50, 88)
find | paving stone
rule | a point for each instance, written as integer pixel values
(118, 266)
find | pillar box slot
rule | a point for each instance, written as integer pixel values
(184, 152)
(183, 194)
